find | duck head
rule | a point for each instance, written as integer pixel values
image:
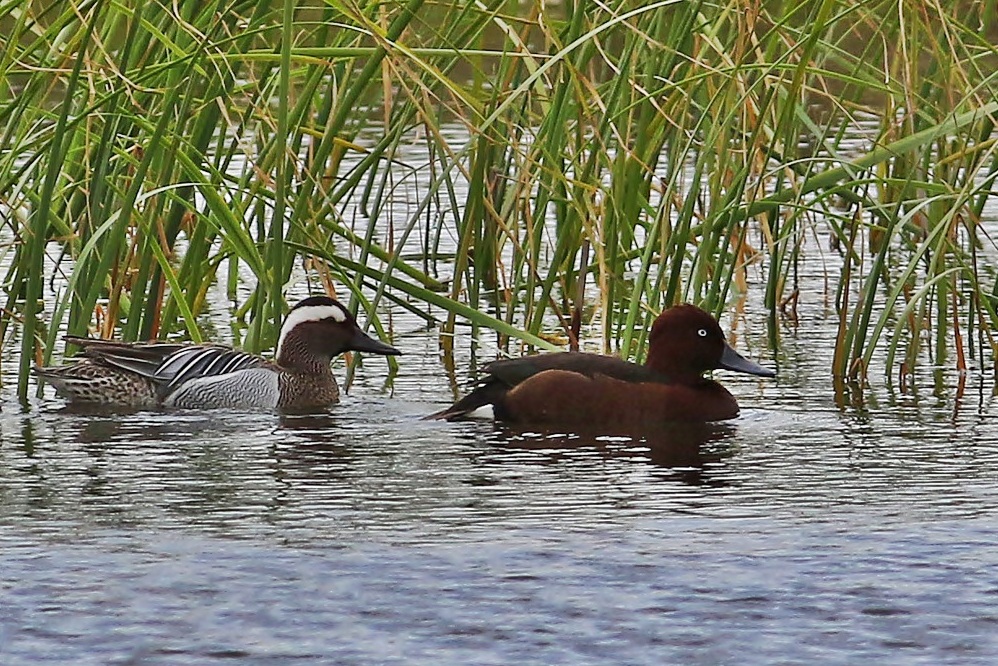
(319, 328)
(686, 342)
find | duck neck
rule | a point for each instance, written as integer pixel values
(663, 365)
(294, 355)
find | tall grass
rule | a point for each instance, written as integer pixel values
(634, 153)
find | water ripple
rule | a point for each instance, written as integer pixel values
(801, 532)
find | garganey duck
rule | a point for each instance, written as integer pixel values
(204, 376)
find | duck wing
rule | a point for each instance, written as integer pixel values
(193, 362)
(504, 374)
(142, 358)
(168, 365)
(513, 371)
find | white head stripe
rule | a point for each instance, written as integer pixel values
(310, 313)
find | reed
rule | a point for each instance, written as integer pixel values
(625, 154)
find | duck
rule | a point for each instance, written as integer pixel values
(210, 376)
(605, 392)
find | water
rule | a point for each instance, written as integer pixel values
(798, 533)
(801, 532)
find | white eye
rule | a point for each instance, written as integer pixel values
(702, 332)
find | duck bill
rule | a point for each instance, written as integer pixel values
(362, 342)
(732, 360)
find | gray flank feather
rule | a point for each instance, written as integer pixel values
(257, 387)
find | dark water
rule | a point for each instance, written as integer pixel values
(799, 533)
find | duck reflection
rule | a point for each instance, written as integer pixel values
(682, 450)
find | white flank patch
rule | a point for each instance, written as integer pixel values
(310, 313)
(483, 412)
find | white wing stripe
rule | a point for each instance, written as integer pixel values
(201, 362)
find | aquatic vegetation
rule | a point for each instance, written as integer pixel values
(621, 155)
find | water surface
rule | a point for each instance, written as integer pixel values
(797, 533)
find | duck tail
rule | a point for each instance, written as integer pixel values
(489, 393)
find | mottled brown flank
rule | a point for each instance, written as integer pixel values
(92, 383)
(565, 397)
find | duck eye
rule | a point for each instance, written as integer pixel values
(702, 332)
